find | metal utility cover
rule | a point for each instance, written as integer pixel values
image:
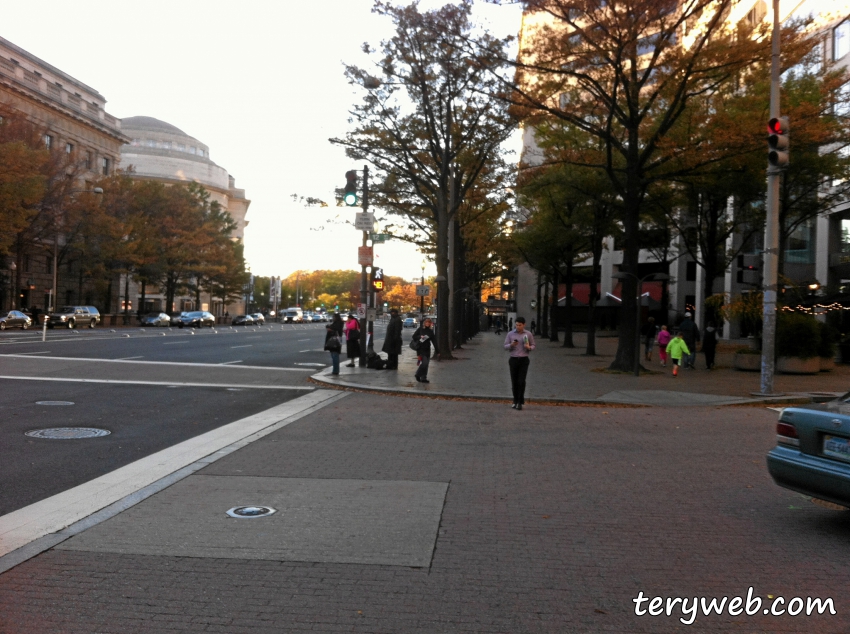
(334, 521)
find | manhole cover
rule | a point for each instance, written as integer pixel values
(66, 433)
(241, 512)
(54, 403)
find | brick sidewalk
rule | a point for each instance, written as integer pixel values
(554, 519)
(558, 373)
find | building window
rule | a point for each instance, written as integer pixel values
(48, 141)
(841, 104)
(800, 248)
(691, 272)
(69, 148)
(200, 152)
(192, 149)
(841, 40)
(181, 147)
(105, 165)
(88, 160)
(150, 143)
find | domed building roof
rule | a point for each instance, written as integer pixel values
(152, 124)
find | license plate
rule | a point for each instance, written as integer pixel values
(836, 447)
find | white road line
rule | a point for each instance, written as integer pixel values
(128, 358)
(45, 352)
(230, 362)
(249, 345)
(50, 516)
(173, 343)
(180, 363)
(300, 340)
(166, 383)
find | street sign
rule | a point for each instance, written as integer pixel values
(364, 256)
(371, 314)
(423, 290)
(379, 237)
(364, 221)
(361, 311)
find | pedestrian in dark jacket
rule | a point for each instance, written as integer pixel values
(709, 344)
(333, 341)
(424, 336)
(519, 343)
(392, 340)
(690, 333)
(648, 332)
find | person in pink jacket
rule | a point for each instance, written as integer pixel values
(664, 338)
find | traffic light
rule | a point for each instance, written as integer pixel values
(377, 280)
(350, 194)
(748, 269)
(777, 142)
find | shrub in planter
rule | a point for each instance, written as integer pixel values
(747, 359)
(797, 335)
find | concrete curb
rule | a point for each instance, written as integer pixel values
(321, 378)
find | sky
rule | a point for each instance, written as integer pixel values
(260, 82)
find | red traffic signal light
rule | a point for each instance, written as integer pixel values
(778, 142)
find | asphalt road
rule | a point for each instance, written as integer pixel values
(152, 388)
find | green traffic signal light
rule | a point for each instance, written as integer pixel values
(349, 196)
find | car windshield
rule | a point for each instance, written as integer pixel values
(67, 309)
(193, 314)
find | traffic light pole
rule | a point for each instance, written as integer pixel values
(363, 291)
(771, 230)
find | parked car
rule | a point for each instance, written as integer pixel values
(410, 322)
(73, 316)
(156, 319)
(14, 319)
(175, 317)
(812, 453)
(243, 320)
(259, 318)
(316, 318)
(197, 319)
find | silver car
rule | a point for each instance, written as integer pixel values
(812, 453)
(14, 319)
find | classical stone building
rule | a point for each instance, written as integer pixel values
(159, 151)
(74, 121)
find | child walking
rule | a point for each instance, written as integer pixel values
(664, 337)
(676, 348)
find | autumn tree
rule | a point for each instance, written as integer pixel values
(624, 73)
(427, 125)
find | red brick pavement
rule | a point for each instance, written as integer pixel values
(555, 519)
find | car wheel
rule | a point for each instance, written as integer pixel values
(180, 325)
(92, 323)
(24, 326)
(2, 325)
(70, 324)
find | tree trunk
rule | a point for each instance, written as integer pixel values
(553, 309)
(595, 274)
(627, 348)
(441, 259)
(141, 305)
(544, 310)
(568, 307)
(538, 302)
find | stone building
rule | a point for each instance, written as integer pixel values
(159, 151)
(74, 121)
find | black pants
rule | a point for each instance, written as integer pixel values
(709, 357)
(392, 361)
(519, 370)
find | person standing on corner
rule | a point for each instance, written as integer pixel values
(392, 340)
(424, 337)
(333, 341)
(352, 340)
(519, 343)
(690, 333)
(709, 345)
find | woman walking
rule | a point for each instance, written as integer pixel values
(519, 343)
(424, 338)
(333, 341)
(664, 338)
(352, 340)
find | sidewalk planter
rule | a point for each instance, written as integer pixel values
(747, 362)
(798, 365)
(827, 364)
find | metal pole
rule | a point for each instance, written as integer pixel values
(363, 325)
(771, 230)
(637, 328)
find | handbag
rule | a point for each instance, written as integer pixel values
(414, 345)
(334, 344)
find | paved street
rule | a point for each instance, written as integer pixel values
(553, 520)
(394, 513)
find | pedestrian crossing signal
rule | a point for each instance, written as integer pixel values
(378, 280)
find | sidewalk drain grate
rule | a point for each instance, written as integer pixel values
(54, 403)
(247, 512)
(67, 433)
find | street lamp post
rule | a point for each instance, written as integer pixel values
(13, 267)
(422, 297)
(622, 275)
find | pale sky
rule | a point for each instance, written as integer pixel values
(261, 83)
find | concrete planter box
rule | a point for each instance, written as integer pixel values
(827, 364)
(796, 365)
(748, 362)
